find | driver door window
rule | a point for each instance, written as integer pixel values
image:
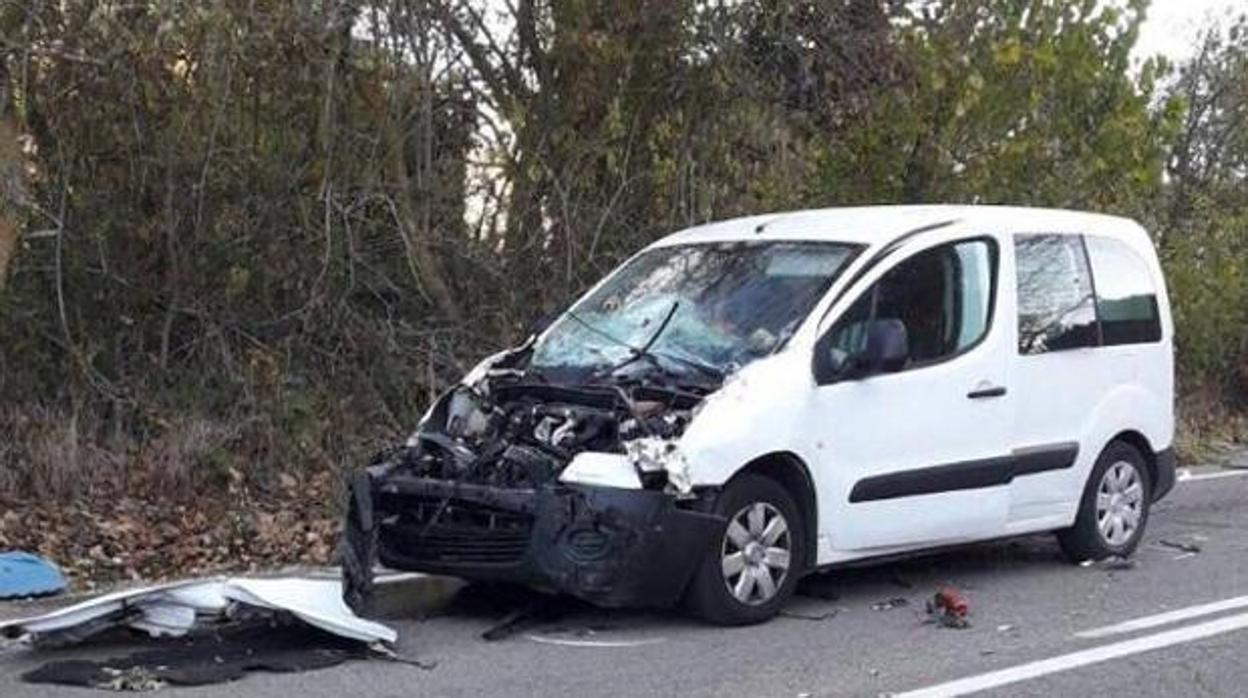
(943, 296)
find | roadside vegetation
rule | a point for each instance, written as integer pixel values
(243, 243)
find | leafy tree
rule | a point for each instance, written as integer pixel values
(1205, 219)
(1010, 102)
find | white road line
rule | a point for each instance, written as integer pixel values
(1165, 618)
(1187, 476)
(1074, 660)
(570, 642)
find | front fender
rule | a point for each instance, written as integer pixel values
(757, 411)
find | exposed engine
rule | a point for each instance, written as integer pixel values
(524, 434)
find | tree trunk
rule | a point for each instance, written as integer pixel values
(12, 183)
(423, 262)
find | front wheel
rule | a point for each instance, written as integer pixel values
(1114, 507)
(753, 565)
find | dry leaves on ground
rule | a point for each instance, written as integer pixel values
(108, 536)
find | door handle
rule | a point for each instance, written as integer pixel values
(987, 391)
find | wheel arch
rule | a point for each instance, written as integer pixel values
(790, 471)
(1140, 443)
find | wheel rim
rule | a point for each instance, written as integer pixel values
(1119, 503)
(756, 553)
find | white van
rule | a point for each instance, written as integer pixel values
(744, 402)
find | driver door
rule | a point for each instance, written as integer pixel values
(919, 456)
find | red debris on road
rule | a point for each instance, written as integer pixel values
(949, 608)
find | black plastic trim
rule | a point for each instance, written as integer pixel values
(966, 475)
(998, 391)
(1167, 464)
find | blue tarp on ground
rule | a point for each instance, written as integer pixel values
(23, 574)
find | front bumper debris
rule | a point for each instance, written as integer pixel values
(612, 547)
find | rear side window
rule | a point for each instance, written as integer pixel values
(1125, 299)
(1056, 308)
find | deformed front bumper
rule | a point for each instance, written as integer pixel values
(609, 546)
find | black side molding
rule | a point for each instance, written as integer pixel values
(966, 475)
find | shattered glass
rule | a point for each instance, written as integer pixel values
(729, 303)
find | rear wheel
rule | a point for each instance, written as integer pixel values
(752, 567)
(1114, 507)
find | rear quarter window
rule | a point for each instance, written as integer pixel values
(1056, 306)
(1126, 301)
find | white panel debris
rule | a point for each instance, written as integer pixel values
(174, 609)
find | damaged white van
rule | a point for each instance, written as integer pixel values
(744, 402)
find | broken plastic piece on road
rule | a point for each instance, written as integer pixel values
(1181, 545)
(541, 609)
(809, 615)
(890, 604)
(176, 608)
(23, 574)
(226, 654)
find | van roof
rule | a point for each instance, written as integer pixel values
(879, 225)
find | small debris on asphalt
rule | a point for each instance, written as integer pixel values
(949, 609)
(1004, 628)
(890, 604)
(511, 623)
(384, 651)
(541, 609)
(135, 679)
(810, 615)
(1181, 545)
(1087, 563)
(1116, 563)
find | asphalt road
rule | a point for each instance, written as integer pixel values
(1040, 627)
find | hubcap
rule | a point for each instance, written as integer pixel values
(1119, 503)
(755, 553)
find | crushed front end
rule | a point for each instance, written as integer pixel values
(479, 491)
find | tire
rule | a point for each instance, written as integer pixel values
(1119, 487)
(750, 544)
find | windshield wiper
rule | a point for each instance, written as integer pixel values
(634, 352)
(706, 367)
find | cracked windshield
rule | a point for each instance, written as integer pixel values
(713, 305)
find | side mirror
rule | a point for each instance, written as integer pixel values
(888, 347)
(885, 349)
